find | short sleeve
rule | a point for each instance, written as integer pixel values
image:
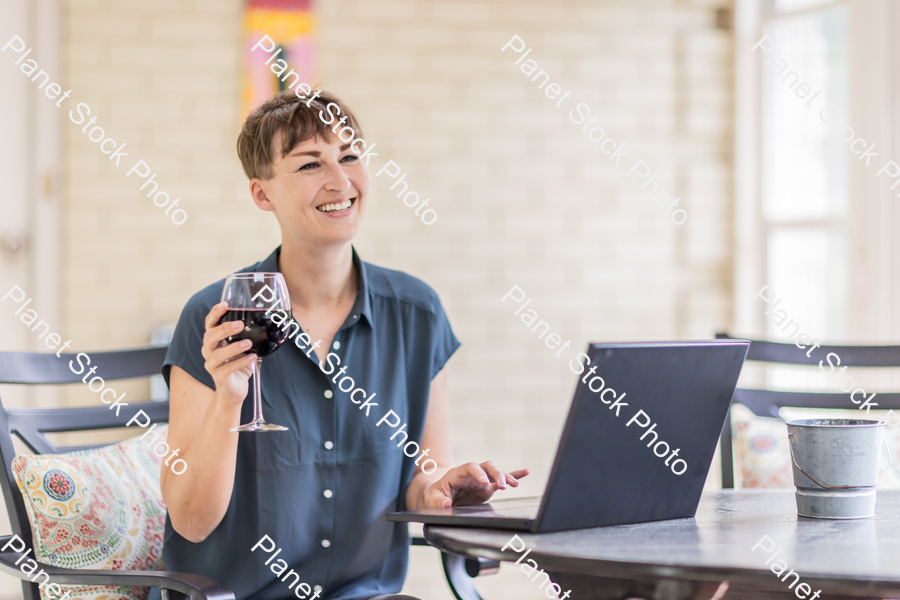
(445, 342)
(187, 341)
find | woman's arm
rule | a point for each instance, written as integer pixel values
(435, 437)
(448, 485)
(199, 420)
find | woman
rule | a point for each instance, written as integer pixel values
(320, 490)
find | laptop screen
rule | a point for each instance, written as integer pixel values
(641, 432)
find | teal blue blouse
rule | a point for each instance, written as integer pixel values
(321, 489)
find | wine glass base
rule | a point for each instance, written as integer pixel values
(259, 426)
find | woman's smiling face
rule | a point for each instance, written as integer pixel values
(319, 191)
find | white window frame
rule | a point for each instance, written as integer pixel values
(873, 221)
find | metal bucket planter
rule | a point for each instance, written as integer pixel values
(835, 464)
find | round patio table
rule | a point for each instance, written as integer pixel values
(692, 558)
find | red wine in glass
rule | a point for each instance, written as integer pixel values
(255, 299)
(260, 328)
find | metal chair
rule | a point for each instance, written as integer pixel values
(766, 403)
(31, 427)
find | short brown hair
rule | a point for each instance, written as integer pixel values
(285, 112)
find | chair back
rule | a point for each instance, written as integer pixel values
(766, 403)
(30, 426)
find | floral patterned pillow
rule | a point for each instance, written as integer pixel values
(761, 449)
(96, 509)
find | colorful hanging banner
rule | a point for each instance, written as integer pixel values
(291, 24)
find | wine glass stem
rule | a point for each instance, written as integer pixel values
(257, 392)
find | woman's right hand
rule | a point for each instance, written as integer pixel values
(232, 377)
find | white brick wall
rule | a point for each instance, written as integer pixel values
(522, 196)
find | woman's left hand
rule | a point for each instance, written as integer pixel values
(469, 484)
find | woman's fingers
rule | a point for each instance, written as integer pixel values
(438, 497)
(216, 350)
(217, 336)
(512, 478)
(215, 333)
(466, 477)
(214, 314)
(220, 368)
(244, 364)
(488, 472)
(226, 354)
(476, 472)
(223, 359)
(473, 484)
(495, 473)
(519, 474)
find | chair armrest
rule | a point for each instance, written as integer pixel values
(459, 571)
(458, 579)
(196, 587)
(473, 566)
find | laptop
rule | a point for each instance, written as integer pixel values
(637, 444)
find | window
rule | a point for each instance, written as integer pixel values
(813, 221)
(804, 192)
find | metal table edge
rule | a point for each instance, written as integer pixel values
(764, 579)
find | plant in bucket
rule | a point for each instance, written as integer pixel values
(835, 465)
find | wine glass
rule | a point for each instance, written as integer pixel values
(255, 299)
